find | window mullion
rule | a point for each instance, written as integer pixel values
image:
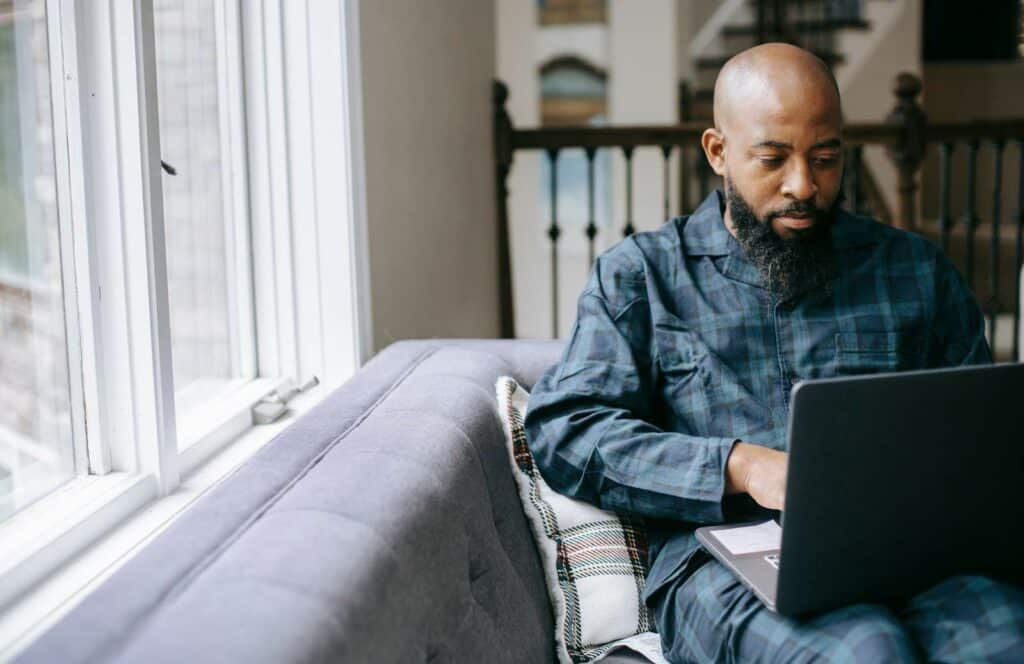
(125, 332)
(91, 452)
(145, 258)
(341, 191)
(262, 173)
(303, 230)
(302, 78)
(236, 205)
(97, 233)
(280, 187)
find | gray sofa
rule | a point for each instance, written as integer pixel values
(382, 526)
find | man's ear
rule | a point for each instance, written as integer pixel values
(713, 143)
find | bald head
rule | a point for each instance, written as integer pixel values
(777, 140)
(773, 78)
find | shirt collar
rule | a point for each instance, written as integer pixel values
(705, 233)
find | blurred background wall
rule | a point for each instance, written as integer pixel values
(427, 71)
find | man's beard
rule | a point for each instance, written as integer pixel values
(788, 267)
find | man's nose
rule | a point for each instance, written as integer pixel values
(799, 182)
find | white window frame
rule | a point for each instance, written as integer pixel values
(207, 429)
(310, 272)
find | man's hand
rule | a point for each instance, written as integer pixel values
(759, 471)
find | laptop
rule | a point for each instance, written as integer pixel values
(896, 481)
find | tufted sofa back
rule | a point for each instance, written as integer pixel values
(382, 526)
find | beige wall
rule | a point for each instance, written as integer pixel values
(427, 69)
(959, 91)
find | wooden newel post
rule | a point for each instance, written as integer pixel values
(908, 153)
(502, 166)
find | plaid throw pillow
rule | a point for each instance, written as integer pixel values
(594, 561)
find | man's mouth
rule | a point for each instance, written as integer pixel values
(797, 221)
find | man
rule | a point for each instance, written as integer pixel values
(671, 398)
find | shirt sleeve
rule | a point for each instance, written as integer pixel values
(589, 419)
(959, 329)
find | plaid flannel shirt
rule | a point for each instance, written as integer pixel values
(678, 351)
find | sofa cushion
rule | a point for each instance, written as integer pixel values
(595, 561)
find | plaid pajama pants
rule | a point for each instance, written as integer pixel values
(712, 617)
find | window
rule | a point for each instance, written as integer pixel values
(574, 94)
(180, 236)
(206, 224)
(36, 447)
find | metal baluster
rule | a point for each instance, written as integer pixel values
(628, 151)
(554, 232)
(997, 210)
(666, 152)
(592, 221)
(1020, 249)
(970, 212)
(945, 218)
(856, 197)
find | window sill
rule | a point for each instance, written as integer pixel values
(93, 525)
(209, 428)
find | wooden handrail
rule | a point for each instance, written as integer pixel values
(689, 133)
(607, 137)
(989, 130)
(859, 133)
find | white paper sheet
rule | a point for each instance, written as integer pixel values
(750, 539)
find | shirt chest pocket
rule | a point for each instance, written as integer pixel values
(678, 353)
(690, 375)
(876, 352)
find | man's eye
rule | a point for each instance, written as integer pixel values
(770, 161)
(826, 161)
